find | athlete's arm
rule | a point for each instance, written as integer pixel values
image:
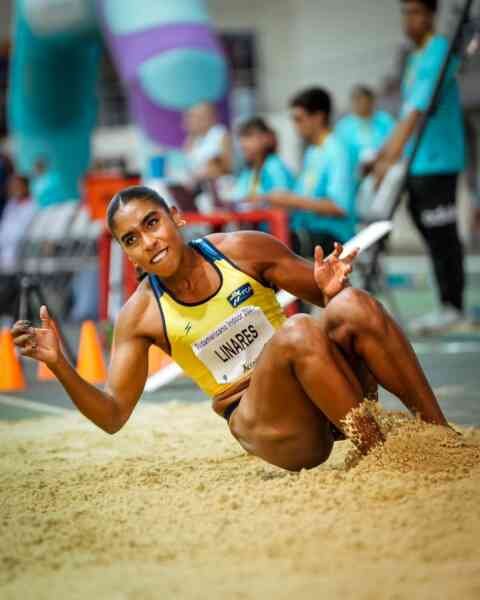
(268, 259)
(109, 409)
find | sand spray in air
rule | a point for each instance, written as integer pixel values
(362, 428)
(411, 445)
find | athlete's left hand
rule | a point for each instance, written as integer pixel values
(331, 273)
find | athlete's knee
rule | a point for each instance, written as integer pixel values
(300, 333)
(355, 309)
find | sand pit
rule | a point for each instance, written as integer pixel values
(172, 508)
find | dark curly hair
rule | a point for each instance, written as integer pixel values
(430, 4)
(313, 100)
(135, 192)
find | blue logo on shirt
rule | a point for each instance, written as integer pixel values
(240, 295)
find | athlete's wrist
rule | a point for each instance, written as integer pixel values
(58, 364)
(328, 297)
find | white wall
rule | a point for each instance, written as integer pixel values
(335, 43)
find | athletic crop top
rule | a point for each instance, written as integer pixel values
(217, 341)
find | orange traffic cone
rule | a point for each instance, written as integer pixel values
(11, 372)
(91, 364)
(157, 359)
(44, 373)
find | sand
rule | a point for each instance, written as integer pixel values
(172, 508)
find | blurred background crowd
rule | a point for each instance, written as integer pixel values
(225, 106)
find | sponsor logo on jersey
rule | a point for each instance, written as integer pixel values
(240, 295)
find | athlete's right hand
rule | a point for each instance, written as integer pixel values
(39, 343)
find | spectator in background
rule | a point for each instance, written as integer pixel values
(265, 171)
(6, 170)
(432, 181)
(208, 145)
(17, 215)
(47, 186)
(365, 129)
(322, 200)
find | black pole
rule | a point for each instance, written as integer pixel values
(431, 109)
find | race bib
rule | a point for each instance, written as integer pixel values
(232, 348)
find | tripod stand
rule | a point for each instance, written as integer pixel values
(30, 299)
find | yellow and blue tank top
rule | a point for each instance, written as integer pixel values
(217, 341)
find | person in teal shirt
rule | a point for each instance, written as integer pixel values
(322, 200)
(365, 129)
(265, 171)
(432, 180)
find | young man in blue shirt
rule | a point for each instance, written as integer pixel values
(322, 200)
(432, 181)
(365, 129)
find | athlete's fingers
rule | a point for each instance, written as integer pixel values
(29, 350)
(352, 256)
(45, 318)
(338, 249)
(21, 327)
(343, 267)
(319, 254)
(24, 339)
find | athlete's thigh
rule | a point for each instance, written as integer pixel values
(275, 407)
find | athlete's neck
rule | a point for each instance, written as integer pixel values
(191, 274)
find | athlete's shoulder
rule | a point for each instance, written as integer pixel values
(131, 315)
(245, 246)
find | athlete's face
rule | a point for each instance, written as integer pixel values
(418, 20)
(150, 236)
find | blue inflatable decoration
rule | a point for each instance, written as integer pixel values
(165, 52)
